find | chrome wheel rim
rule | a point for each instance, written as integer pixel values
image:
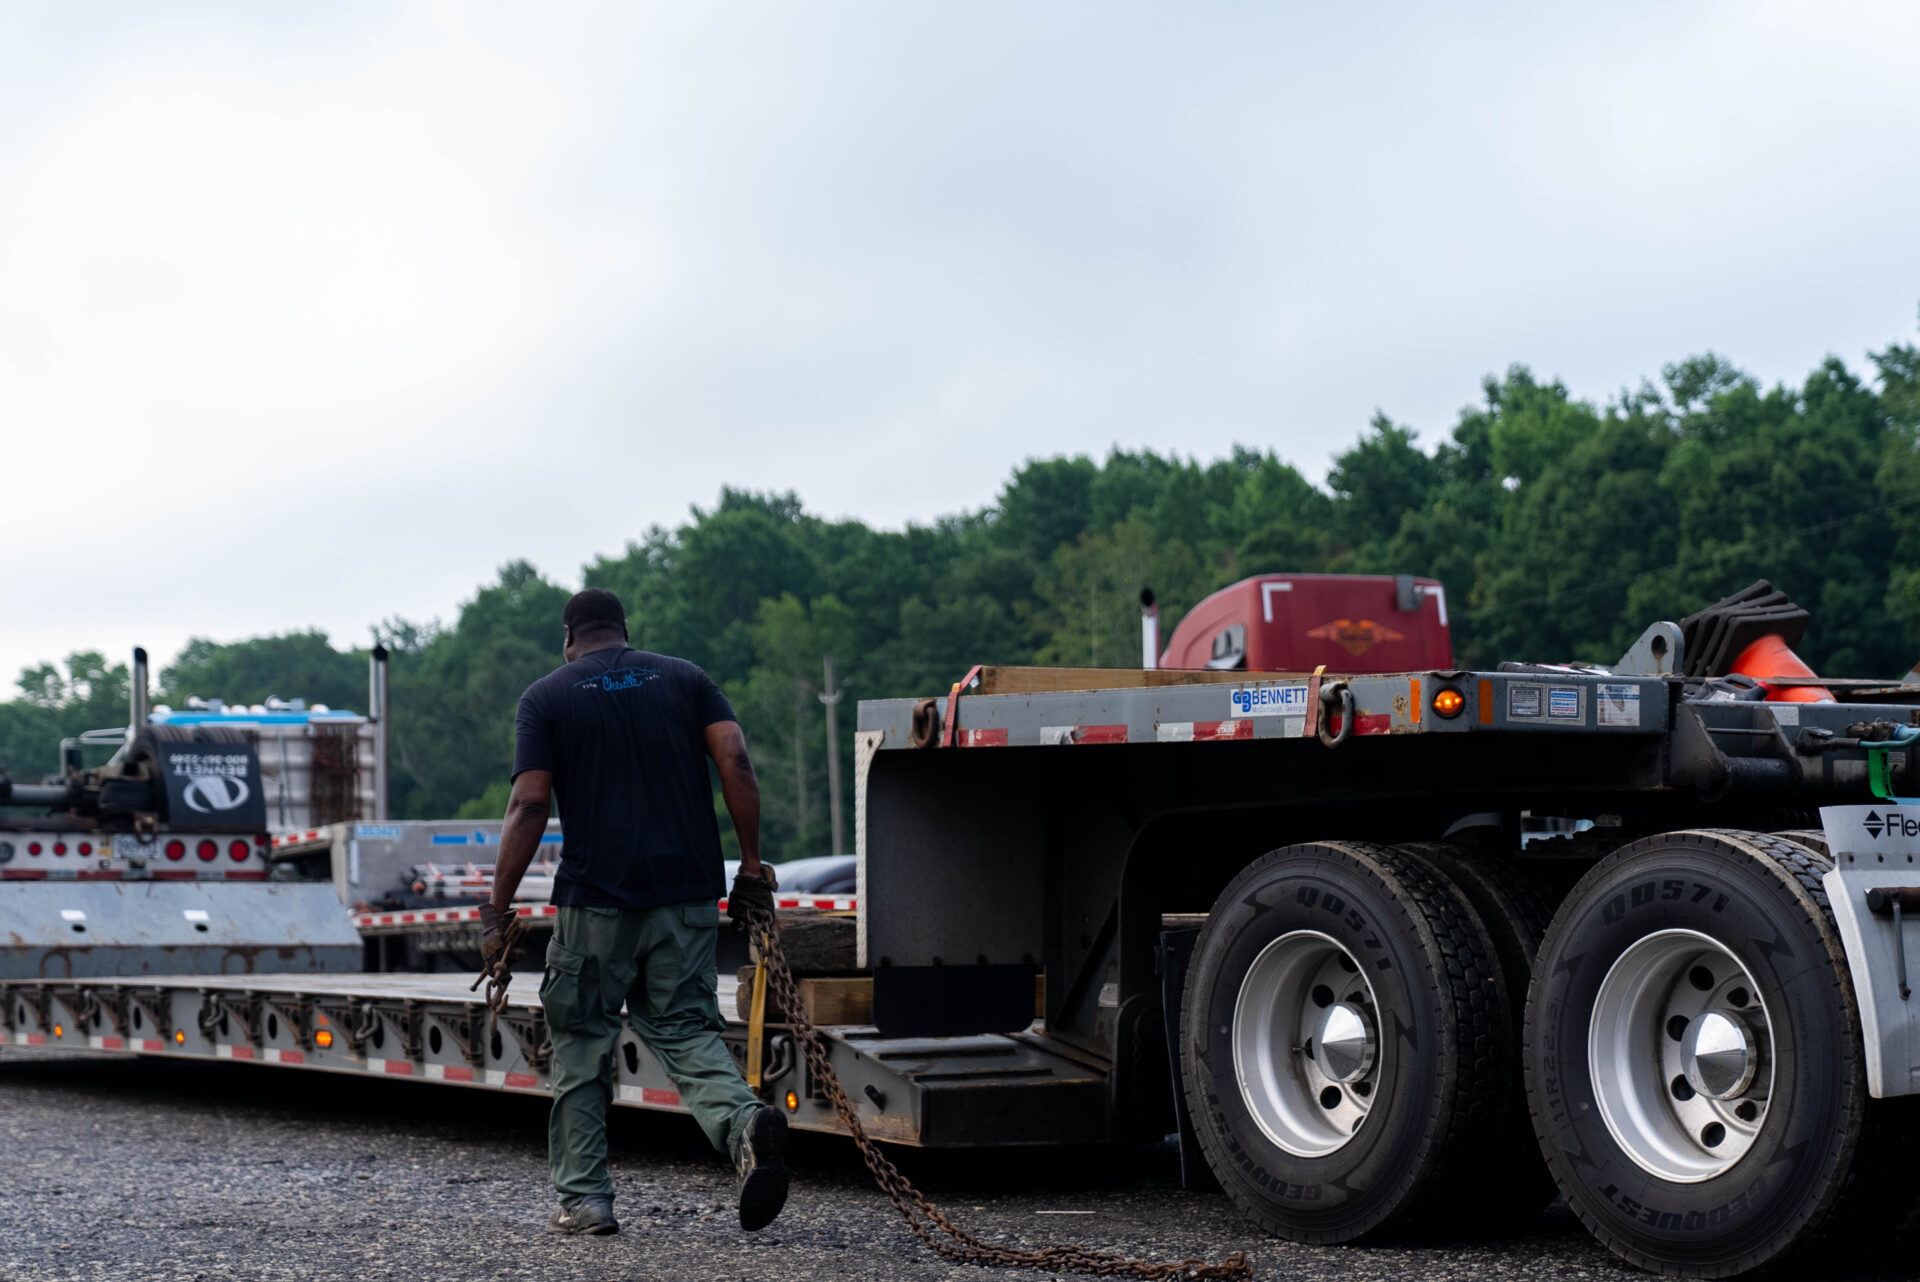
(1680, 1048)
(1306, 1043)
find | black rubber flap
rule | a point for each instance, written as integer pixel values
(1716, 636)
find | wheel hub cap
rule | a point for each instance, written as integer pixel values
(1719, 1055)
(1680, 1052)
(1343, 1045)
(1305, 1054)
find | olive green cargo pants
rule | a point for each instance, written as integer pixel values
(659, 962)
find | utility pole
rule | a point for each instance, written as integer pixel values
(800, 691)
(831, 697)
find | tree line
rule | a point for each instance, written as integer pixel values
(1559, 526)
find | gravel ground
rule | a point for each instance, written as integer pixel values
(184, 1171)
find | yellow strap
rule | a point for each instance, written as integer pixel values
(756, 1023)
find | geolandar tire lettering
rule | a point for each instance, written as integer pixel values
(1343, 1036)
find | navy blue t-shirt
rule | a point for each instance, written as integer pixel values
(624, 733)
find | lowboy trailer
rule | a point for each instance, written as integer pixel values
(1315, 926)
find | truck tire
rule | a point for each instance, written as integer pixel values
(1813, 839)
(1515, 914)
(1345, 1040)
(1694, 1062)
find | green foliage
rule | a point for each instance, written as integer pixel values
(1560, 527)
(298, 665)
(491, 804)
(61, 702)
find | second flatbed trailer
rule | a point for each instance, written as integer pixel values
(1319, 927)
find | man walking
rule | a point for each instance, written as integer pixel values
(620, 738)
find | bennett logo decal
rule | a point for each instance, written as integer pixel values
(215, 781)
(1355, 636)
(1269, 701)
(208, 793)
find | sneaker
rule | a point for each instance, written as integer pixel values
(761, 1160)
(591, 1214)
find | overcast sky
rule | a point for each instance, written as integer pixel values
(314, 316)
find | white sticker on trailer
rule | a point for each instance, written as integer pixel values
(1269, 701)
(1618, 705)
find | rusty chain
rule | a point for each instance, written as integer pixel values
(921, 1215)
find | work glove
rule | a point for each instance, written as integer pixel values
(499, 932)
(493, 935)
(752, 893)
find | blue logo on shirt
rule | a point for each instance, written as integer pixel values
(619, 679)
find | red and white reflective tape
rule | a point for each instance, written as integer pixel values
(1203, 731)
(452, 1073)
(1082, 734)
(270, 1055)
(471, 916)
(118, 874)
(301, 838)
(29, 1039)
(830, 903)
(649, 1095)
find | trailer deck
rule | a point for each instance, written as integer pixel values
(934, 1092)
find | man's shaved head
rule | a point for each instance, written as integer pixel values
(594, 610)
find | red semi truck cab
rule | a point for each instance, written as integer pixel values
(1296, 622)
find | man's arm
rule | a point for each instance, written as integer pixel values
(727, 745)
(520, 834)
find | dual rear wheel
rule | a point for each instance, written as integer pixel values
(1349, 1043)
(1363, 1051)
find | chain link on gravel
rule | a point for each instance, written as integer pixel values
(929, 1224)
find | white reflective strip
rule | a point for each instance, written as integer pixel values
(629, 1094)
(1266, 596)
(496, 1077)
(1057, 734)
(1174, 731)
(437, 1072)
(223, 1051)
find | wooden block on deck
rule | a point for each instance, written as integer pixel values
(826, 1000)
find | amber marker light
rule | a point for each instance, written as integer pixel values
(59, 1031)
(323, 1038)
(793, 1102)
(179, 1037)
(1448, 702)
